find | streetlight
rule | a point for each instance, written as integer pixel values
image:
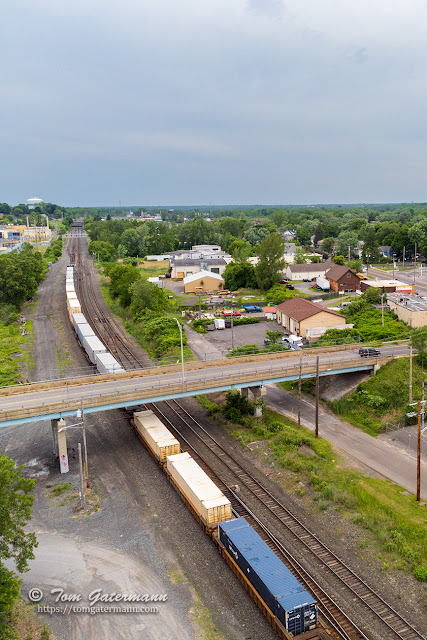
(182, 347)
(368, 255)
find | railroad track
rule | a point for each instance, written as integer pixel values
(104, 327)
(335, 618)
(339, 576)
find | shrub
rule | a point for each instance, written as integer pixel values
(420, 573)
(236, 406)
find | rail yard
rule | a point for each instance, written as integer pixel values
(348, 607)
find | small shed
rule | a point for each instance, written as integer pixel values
(203, 281)
(270, 313)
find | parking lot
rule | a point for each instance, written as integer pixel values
(220, 340)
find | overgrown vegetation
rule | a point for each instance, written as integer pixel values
(10, 353)
(383, 398)
(397, 523)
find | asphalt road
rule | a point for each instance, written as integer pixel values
(159, 385)
(382, 457)
(405, 276)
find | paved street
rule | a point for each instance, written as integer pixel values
(389, 461)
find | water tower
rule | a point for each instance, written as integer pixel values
(33, 202)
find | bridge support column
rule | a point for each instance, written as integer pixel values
(258, 393)
(54, 427)
(244, 392)
(62, 447)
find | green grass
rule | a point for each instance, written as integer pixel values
(381, 399)
(11, 353)
(59, 489)
(397, 523)
(151, 268)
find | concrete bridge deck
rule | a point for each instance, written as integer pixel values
(25, 403)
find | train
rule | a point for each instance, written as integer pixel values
(290, 609)
(96, 351)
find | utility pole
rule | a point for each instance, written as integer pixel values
(299, 392)
(410, 374)
(382, 308)
(232, 330)
(317, 396)
(403, 265)
(86, 469)
(82, 489)
(415, 261)
(349, 252)
(420, 409)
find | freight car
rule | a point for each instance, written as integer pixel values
(95, 350)
(155, 436)
(278, 592)
(289, 608)
(207, 503)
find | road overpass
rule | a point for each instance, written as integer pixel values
(58, 399)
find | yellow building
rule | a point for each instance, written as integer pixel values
(298, 315)
(203, 281)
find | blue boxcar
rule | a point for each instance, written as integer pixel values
(283, 594)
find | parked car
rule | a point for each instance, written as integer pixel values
(284, 281)
(369, 352)
(290, 286)
(306, 280)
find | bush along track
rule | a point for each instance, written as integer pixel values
(397, 523)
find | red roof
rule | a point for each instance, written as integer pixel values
(300, 309)
(269, 309)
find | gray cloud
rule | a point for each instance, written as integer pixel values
(250, 101)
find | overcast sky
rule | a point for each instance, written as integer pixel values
(157, 102)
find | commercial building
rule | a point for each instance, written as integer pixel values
(412, 310)
(182, 268)
(389, 286)
(310, 271)
(300, 316)
(342, 278)
(202, 282)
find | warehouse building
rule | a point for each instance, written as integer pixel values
(412, 310)
(308, 271)
(182, 268)
(300, 316)
(202, 282)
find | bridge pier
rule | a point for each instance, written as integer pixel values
(258, 393)
(59, 442)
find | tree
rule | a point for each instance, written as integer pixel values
(16, 502)
(372, 295)
(419, 342)
(240, 250)
(271, 261)
(328, 245)
(121, 278)
(338, 260)
(147, 295)
(300, 256)
(104, 250)
(273, 336)
(239, 274)
(279, 293)
(303, 235)
(347, 239)
(256, 235)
